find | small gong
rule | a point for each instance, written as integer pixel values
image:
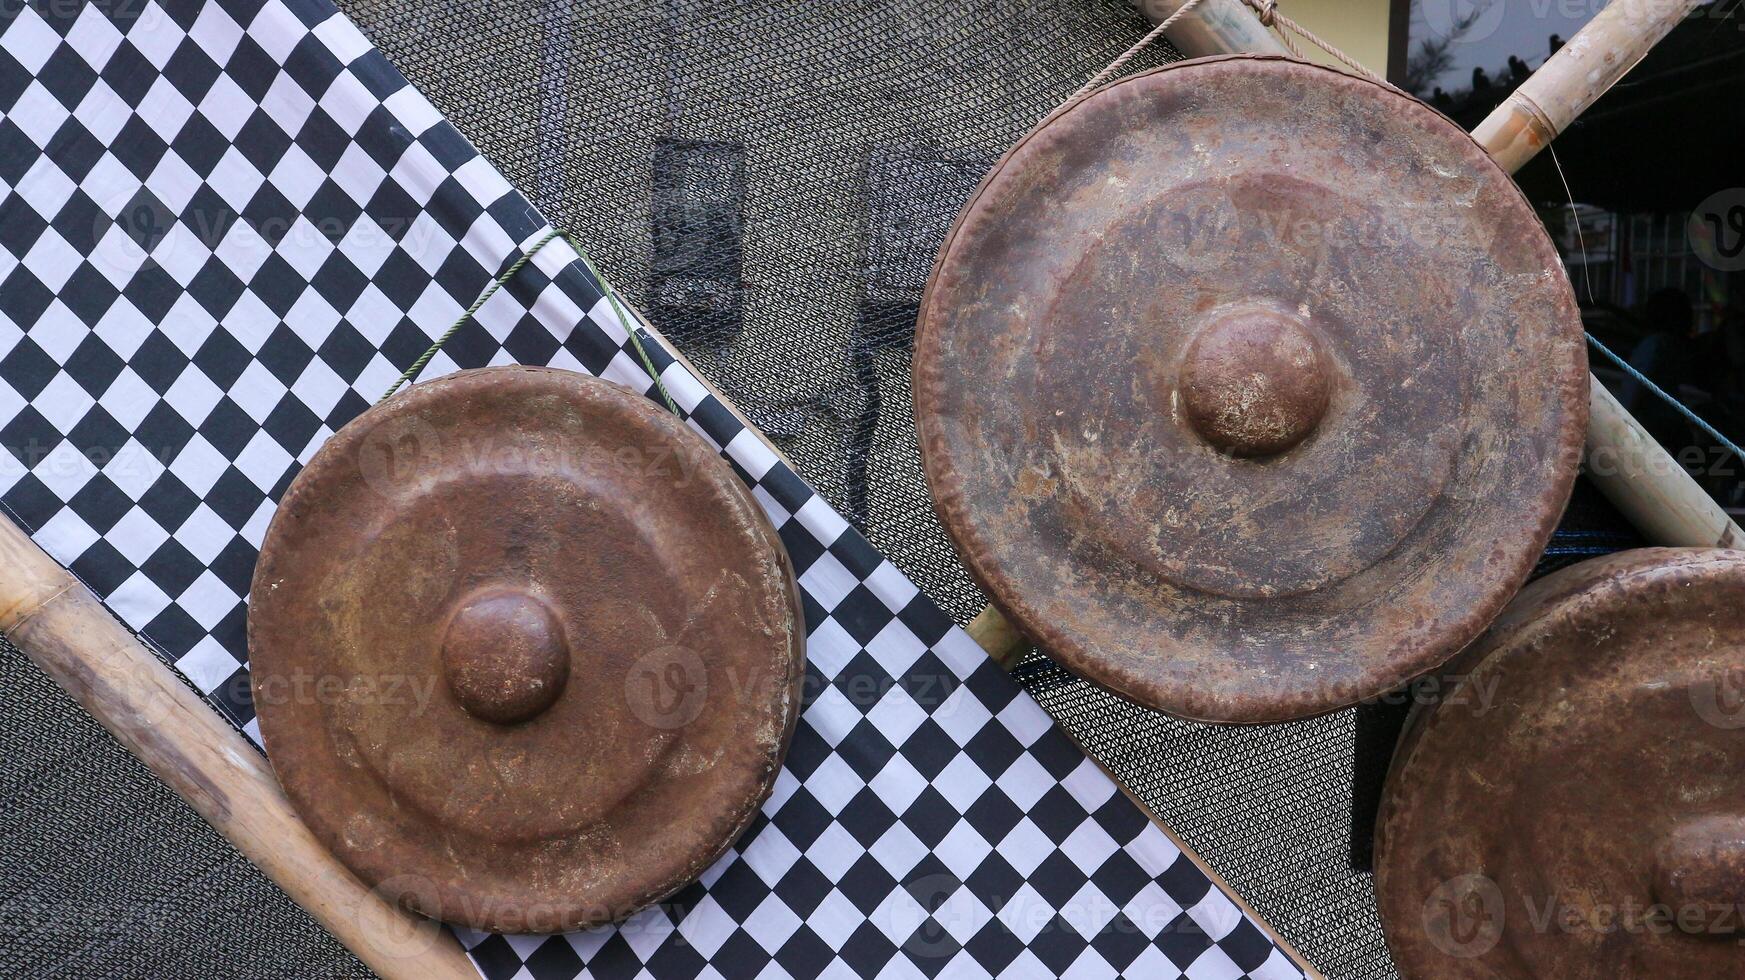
(525, 652)
(1249, 389)
(1574, 809)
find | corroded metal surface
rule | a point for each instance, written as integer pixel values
(526, 654)
(1575, 807)
(1249, 389)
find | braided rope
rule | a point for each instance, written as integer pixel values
(1280, 24)
(1133, 52)
(1671, 400)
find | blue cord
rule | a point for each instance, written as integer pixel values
(1677, 405)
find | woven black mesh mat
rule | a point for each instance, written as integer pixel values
(104, 872)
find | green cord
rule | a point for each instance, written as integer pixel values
(630, 325)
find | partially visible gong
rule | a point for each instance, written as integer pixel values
(525, 652)
(1249, 389)
(1574, 809)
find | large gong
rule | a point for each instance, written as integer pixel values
(526, 654)
(1249, 389)
(1575, 808)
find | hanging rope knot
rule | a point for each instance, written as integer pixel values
(1268, 11)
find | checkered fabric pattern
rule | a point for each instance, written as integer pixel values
(224, 230)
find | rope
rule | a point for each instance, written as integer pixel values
(1268, 16)
(631, 326)
(1266, 10)
(1133, 52)
(1280, 24)
(1676, 405)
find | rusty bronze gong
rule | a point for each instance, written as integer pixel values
(1249, 389)
(1574, 809)
(525, 652)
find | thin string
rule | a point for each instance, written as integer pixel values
(631, 326)
(1587, 275)
(1677, 406)
(1270, 17)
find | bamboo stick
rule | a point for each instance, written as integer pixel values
(1657, 495)
(995, 634)
(1576, 76)
(1644, 482)
(1214, 27)
(65, 630)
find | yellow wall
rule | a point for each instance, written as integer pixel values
(1357, 27)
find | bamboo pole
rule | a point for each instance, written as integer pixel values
(1214, 27)
(1646, 484)
(996, 634)
(1576, 76)
(1639, 477)
(65, 630)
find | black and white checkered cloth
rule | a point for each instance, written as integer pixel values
(226, 227)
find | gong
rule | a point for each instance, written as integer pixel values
(525, 652)
(1249, 389)
(1574, 809)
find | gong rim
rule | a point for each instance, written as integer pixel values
(537, 787)
(1032, 601)
(1485, 869)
